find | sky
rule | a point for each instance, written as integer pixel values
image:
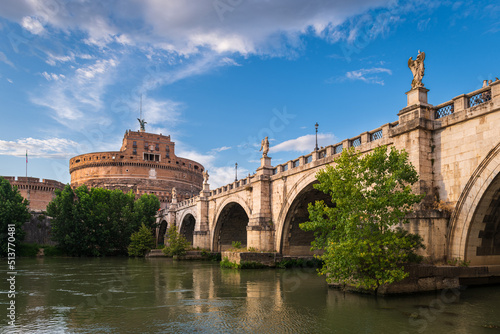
(220, 75)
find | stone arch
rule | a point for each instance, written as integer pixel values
(187, 226)
(472, 222)
(162, 229)
(230, 224)
(291, 240)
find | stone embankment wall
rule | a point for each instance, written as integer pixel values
(38, 230)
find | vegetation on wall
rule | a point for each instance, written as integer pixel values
(98, 222)
(362, 242)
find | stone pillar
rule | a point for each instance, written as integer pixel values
(260, 229)
(201, 234)
(495, 89)
(460, 103)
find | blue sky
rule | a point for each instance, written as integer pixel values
(220, 75)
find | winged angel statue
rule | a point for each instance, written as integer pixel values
(417, 69)
(264, 147)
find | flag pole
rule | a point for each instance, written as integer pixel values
(28, 180)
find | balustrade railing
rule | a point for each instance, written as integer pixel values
(376, 135)
(445, 111)
(356, 142)
(479, 98)
(338, 149)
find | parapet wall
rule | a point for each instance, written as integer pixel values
(39, 193)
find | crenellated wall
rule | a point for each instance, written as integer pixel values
(39, 193)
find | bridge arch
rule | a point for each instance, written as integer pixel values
(162, 229)
(187, 224)
(231, 224)
(291, 240)
(474, 232)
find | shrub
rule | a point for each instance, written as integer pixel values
(141, 242)
(176, 243)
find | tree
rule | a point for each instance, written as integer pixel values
(141, 241)
(360, 235)
(13, 214)
(176, 243)
(98, 222)
(146, 208)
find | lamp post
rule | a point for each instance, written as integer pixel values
(235, 171)
(316, 126)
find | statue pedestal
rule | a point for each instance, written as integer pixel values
(265, 162)
(417, 96)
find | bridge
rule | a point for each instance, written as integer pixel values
(454, 146)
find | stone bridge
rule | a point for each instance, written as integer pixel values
(454, 146)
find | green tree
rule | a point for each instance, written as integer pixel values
(176, 243)
(360, 235)
(141, 242)
(13, 212)
(146, 208)
(98, 222)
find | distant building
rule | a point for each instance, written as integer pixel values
(39, 193)
(145, 164)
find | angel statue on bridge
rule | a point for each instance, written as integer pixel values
(264, 147)
(417, 69)
(205, 176)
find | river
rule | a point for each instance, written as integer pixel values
(121, 295)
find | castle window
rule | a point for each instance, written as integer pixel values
(168, 149)
(134, 151)
(135, 144)
(167, 155)
(195, 167)
(157, 148)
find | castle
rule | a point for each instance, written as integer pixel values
(145, 164)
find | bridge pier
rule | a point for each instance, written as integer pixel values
(201, 234)
(260, 229)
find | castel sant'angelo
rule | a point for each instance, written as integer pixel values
(145, 164)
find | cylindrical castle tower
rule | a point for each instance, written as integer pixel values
(146, 163)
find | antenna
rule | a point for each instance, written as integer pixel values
(141, 120)
(141, 108)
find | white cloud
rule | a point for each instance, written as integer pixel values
(71, 97)
(220, 149)
(304, 144)
(367, 75)
(9, 80)
(58, 148)
(187, 27)
(53, 76)
(33, 25)
(53, 60)
(4, 58)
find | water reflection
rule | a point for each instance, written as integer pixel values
(119, 295)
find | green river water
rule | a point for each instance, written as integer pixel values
(120, 295)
